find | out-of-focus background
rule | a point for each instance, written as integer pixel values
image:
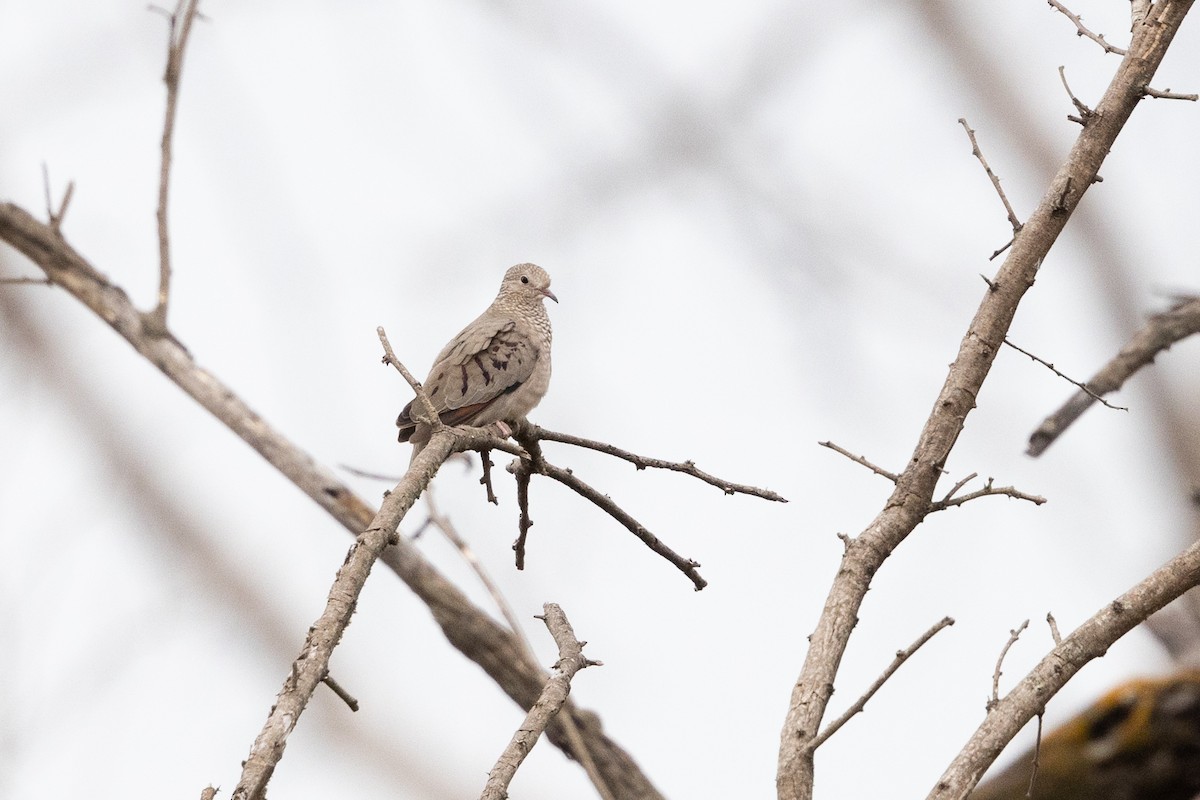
(766, 229)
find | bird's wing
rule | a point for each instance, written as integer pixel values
(488, 359)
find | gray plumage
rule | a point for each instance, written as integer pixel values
(497, 369)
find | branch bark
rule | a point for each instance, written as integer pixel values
(465, 625)
(911, 500)
(1090, 640)
(570, 661)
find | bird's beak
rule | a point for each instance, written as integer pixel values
(549, 294)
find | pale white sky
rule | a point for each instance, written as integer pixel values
(766, 229)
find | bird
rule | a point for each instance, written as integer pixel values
(497, 369)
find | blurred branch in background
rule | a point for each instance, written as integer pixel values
(911, 501)
(190, 542)
(1159, 333)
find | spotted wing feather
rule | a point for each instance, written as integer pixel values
(483, 363)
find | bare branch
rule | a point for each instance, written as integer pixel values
(1053, 623)
(1072, 381)
(1085, 113)
(891, 476)
(642, 462)
(1013, 636)
(995, 179)
(1160, 332)
(524, 521)
(389, 357)
(1090, 640)
(312, 665)
(988, 490)
(541, 466)
(579, 746)
(56, 217)
(486, 458)
(861, 703)
(1080, 30)
(341, 692)
(466, 627)
(1167, 94)
(570, 661)
(180, 29)
(909, 503)
(1037, 756)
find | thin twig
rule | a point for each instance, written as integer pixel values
(1068, 379)
(995, 179)
(988, 490)
(891, 476)
(999, 251)
(859, 704)
(1013, 635)
(180, 29)
(486, 479)
(1054, 634)
(955, 488)
(642, 462)
(1037, 754)
(341, 692)
(524, 521)
(1085, 113)
(570, 661)
(56, 217)
(1080, 30)
(541, 466)
(389, 357)
(1167, 94)
(1159, 333)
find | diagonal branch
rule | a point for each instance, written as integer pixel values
(642, 462)
(1090, 640)
(541, 466)
(1082, 30)
(312, 665)
(860, 704)
(910, 502)
(465, 626)
(570, 660)
(1162, 331)
(180, 23)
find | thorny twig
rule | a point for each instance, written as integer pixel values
(995, 179)
(579, 747)
(891, 476)
(1066, 378)
(1013, 635)
(642, 462)
(1159, 333)
(988, 490)
(570, 660)
(1080, 30)
(858, 705)
(541, 466)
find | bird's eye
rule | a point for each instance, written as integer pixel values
(524, 279)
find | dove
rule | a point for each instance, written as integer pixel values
(497, 369)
